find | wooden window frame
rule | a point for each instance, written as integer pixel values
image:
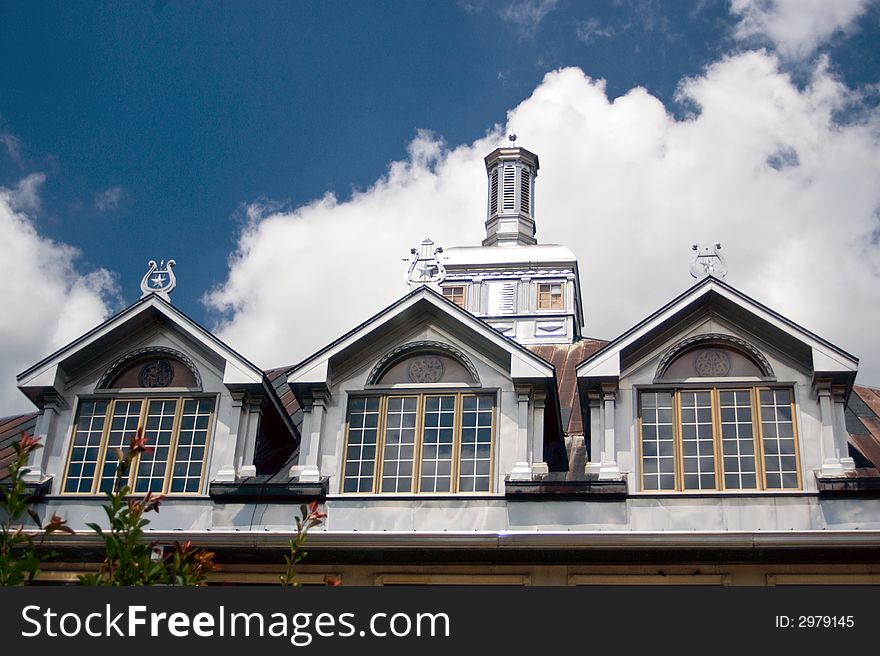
(718, 452)
(549, 295)
(133, 467)
(421, 397)
(451, 297)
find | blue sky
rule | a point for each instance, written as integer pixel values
(339, 133)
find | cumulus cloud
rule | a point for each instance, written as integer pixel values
(795, 27)
(591, 29)
(526, 15)
(25, 196)
(12, 144)
(46, 300)
(760, 165)
(110, 199)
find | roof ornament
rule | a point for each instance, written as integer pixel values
(159, 280)
(512, 138)
(424, 266)
(708, 262)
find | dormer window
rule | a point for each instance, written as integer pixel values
(425, 443)
(157, 389)
(550, 296)
(455, 293)
(706, 426)
(718, 439)
(423, 428)
(178, 429)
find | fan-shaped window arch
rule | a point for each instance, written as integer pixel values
(713, 355)
(424, 362)
(153, 367)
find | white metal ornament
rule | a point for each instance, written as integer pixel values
(159, 279)
(708, 262)
(424, 267)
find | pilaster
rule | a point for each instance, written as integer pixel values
(310, 448)
(522, 470)
(831, 465)
(609, 469)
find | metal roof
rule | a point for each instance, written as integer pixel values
(474, 256)
(565, 357)
(11, 429)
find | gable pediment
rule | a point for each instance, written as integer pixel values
(419, 316)
(705, 307)
(149, 323)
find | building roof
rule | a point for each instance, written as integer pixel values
(11, 429)
(474, 256)
(278, 379)
(863, 424)
(566, 357)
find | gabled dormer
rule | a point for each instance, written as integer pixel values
(423, 398)
(202, 406)
(715, 392)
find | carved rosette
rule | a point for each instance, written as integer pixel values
(712, 362)
(426, 369)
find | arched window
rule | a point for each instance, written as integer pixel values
(428, 432)
(177, 425)
(715, 420)
(713, 356)
(151, 368)
(424, 362)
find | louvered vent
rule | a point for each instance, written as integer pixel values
(502, 298)
(493, 193)
(509, 202)
(525, 191)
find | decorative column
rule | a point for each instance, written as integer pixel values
(310, 447)
(609, 471)
(50, 407)
(596, 436)
(539, 400)
(229, 472)
(830, 456)
(522, 471)
(841, 435)
(253, 409)
(526, 294)
(481, 296)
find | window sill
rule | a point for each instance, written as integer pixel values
(102, 498)
(862, 483)
(427, 496)
(259, 492)
(733, 494)
(553, 487)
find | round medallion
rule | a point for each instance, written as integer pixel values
(426, 369)
(712, 362)
(156, 373)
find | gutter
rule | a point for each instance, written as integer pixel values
(508, 541)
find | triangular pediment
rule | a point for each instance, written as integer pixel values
(120, 332)
(713, 298)
(421, 306)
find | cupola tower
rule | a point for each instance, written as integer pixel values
(510, 213)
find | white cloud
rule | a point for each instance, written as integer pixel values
(526, 15)
(25, 196)
(591, 29)
(110, 199)
(45, 301)
(795, 27)
(13, 147)
(761, 167)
